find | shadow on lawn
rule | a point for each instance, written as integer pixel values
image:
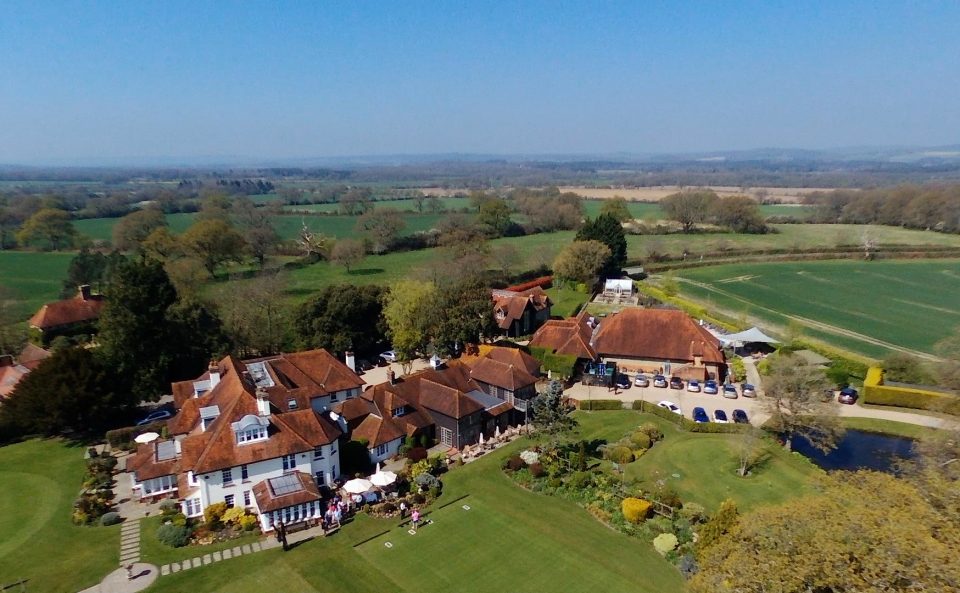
(366, 272)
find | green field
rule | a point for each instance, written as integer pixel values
(40, 481)
(566, 301)
(101, 229)
(869, 307)
(33, 278)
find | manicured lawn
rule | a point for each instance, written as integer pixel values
(33, 277)
(705, 463)
(41, 479)
(905, 303)
(154, 552)
(565, 300)
(510, 540)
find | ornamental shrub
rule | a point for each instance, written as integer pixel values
(232, 515)
(418, 498)
(664, 543)
(175, 536)
(416, 454)
(638, 453)
(427, 481)
(651, 430)
(419, 468)
(248, 522)
(693, 512)
(516, 463)
(641, 440)
(581, 480)
(635, 510)
(179, 519)
(169, 507)
(618, 454)
(537, 471)
(213, 515)
(110, 518)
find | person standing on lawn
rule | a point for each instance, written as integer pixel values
(415, 518)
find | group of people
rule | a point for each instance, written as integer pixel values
(337, 509)
(414, 514)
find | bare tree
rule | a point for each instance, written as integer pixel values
(794, 401)
(749, 450)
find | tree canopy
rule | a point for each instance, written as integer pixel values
(689, 207)
(347, 253)
(617, 208)
(467, 314)
(214, 242)
(794, 399)
(48, 227)
(343, 317)
(408, 309)
(381, 226)
(607, 230)
(581, 261)
(133, 229)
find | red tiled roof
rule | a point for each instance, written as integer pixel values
(9, 377)
(268, 500)
(566, 336)
(508, 306)
(32, 355)
(145, 465)
(68, 311)
(664, 334)
(377, 431)
(501, 374)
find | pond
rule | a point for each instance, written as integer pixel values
(859, 450)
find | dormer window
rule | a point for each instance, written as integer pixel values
(250, 429)
(291, 404)
(399, 411)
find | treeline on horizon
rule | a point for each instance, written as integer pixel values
(926, 207)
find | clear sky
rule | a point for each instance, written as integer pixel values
(105, 81)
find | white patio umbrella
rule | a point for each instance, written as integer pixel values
(481, 439)
(496, 433)
(358, 486)
(147, 437)
(378, 468)
(384, 478)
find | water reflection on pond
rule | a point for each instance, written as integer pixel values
(859, 450)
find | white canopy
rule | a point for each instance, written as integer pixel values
(147, 437)
(751, 335)
(358, 486)
(383, 478)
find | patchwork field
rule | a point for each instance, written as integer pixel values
(869, 307)
(33, 278)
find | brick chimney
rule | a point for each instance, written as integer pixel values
(84, 292)
(392, 377)
(350, 361)
(214, 370)
(263, 402)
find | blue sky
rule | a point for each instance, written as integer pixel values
(108, 81)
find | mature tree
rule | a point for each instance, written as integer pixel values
(255, 315)
(9, 222)
(750, 448)
(215, 206)
(506, 256)
(49, 227)
(467, 315)
(863, 532)
(479, 198)
(188, 276)
(495, 215)
(347, 252)
(85, 268)
(435, 205)
(794, 390)
(133, 229)
(355, 201)
(256, 226)
(343, 317)
(608, 231)
(410, 315)
(162, 245)
(418, 200)
(581, 261)
(739, 213)
(214, 242)
(382, 226)
(72, 391)
(689, 207)
(551, 415)
(905, 368)
(617, 208)
(313, 244)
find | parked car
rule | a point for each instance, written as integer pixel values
(700, 415)
(748, 390)
(622, 382)
(740, 417)
(670, 406)
(720, 416)
(730, 391)
(389, 356)
(693, 386)
(710, 386)
(364, 365)
(155, 417)
(659, 381)
(848, 395)
(676, 383)
(641, 380)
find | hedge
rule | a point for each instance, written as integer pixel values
(854, 365)
(684, 422)
(600, 404)
(561, 364)
(875, 392)
(119, 437)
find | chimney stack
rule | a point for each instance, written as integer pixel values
(263, 402)
(392, 377)
(351, 361)
(214, 370)
(85, 292)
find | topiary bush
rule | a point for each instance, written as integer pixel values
(110, 518)
(651, 430)
(515, 463)
(664, 543)
(175, 536)
(618, 454)
(635, 510)
(641, 440)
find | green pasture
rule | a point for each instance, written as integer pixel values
(565, 300)
(908, 303)
(33, 278)
(406, 205)
(41, 479)
(101, 229)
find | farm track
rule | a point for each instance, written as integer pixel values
(811, 323)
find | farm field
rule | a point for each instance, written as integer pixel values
(33, 278)
(463, 550)
(652, 194)
(41, 479)
(869, 307)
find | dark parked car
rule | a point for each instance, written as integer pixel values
(659, 381)
(848, 395)
(748, 390)
(641, 380)
(155, 417)
(740, 417)
(710, 386)
(622, 382)
(676, 383)
(700, 415)
(720, 416)
(730, 391)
